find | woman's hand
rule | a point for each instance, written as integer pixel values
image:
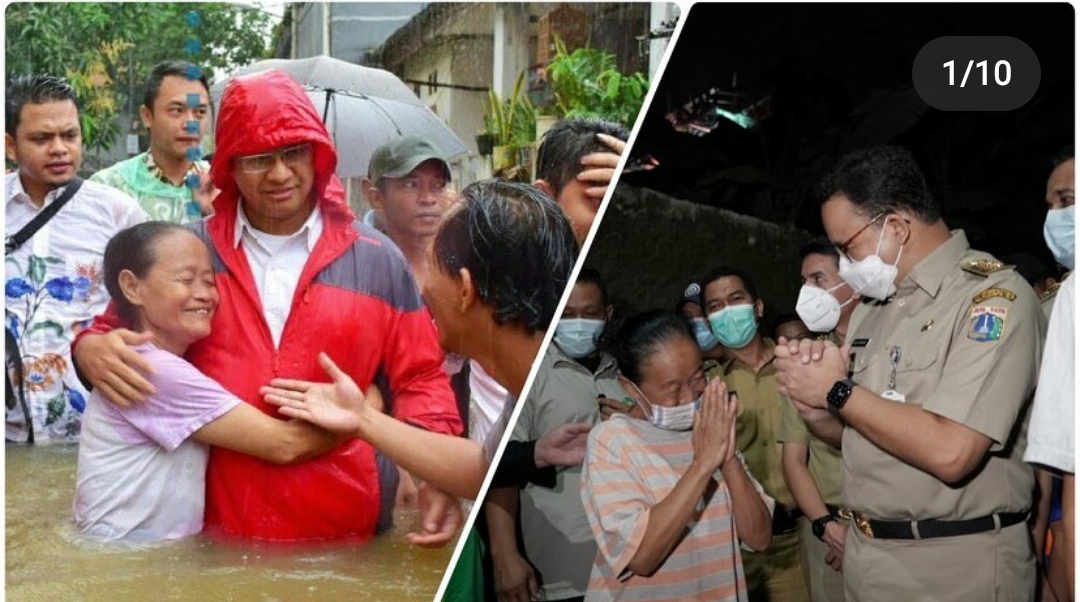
(714, 427)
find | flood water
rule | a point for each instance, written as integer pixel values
(44, 561)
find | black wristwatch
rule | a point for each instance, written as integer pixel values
(818, 526)
(839, 394)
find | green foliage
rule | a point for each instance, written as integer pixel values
(587, 83)
(512, 121)
(108, 49)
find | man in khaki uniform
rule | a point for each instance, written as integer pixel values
(574, 374)
(934, 409)
(812, 468)
(734, 312)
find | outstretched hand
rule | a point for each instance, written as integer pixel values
(336, 406)
(562, 446)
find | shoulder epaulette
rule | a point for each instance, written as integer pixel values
(1049, 292)
(983, 267)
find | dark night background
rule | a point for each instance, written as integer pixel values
(840, 79)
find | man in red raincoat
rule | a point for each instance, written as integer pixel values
(297, 274)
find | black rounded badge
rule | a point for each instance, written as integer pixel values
(976, 73)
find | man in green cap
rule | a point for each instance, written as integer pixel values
(407, 183)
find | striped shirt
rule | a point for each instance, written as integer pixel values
(630, 466)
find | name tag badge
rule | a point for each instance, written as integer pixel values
(894, 395)
(860, 343)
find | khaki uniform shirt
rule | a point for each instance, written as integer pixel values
(825, 463)
(758, 420)
(556, 533)
(967, 348)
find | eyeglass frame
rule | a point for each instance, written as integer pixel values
(282, 154)
(842, 248)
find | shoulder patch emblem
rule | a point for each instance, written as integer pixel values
(990, 293)
(987, 323)
(982, 267)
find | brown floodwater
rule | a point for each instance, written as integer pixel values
(45, 561)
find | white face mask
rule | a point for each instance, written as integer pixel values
(671, 418)
(818, 309)
(577, 337)
(1059, 230)
(870, 277)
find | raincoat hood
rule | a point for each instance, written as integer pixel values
(264, 111)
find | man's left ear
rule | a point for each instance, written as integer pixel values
(901, 225)
(759, 309)
(609, 312)
(467, 294)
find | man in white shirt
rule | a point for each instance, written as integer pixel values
(52, 282)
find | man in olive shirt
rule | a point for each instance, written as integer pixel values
(812, 468)
(734, 312)
(933, 405)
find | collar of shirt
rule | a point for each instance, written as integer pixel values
(312, 228)
(770, 355)
(193, 168)
(15, 192)
(932, 270)
(607, 361)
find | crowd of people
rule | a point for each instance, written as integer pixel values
(237, 354)
(176, 317)
(886, 440)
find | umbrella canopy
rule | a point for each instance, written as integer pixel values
(362, 107)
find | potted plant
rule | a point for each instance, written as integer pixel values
(512, 124)
(587, 83)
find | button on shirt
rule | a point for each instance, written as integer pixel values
(276, 264)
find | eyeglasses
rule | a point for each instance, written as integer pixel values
(291, 156)
(842, 248)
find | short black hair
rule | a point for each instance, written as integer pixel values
(1066, 154)
(592, 276)
(784, 319)
(165, 69)
(518, 246)
(819, 246)
(723, 272)
(34, 89)
(642, 334)
(133, 249)
(558, 160)
(878, 180)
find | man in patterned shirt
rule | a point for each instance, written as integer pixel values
(52, 282)
(170, 180)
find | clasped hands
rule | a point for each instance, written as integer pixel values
(806, 370)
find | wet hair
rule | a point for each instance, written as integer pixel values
(133, 249)
(642, 335)
(592, 276)
(558, 160)
(1063, 155)
(170, 69)
(33, 89)
(819, 246)
(878, 180)
(517, 245)
(723, 272)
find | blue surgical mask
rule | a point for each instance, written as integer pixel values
(704, 336)
(671, 418)
(577, 338)
(1060, 233)
(734, 326)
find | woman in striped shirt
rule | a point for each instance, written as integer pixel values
(668, 498)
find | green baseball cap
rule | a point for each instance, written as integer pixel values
(397, 158)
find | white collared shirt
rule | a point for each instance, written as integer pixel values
(54, 286)
(276, 264)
